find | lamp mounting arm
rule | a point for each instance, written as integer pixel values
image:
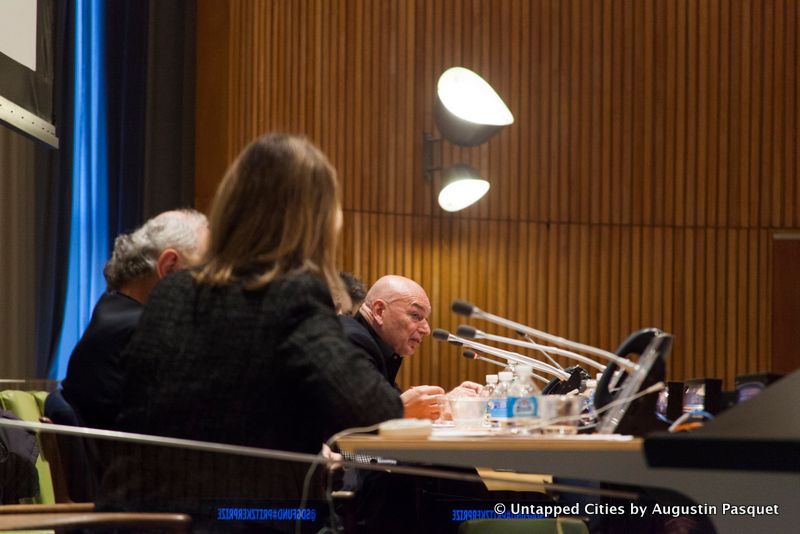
(431, 155)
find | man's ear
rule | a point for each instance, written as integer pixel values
(378, 309)
(168, 261)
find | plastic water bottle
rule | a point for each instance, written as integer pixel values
(486, 394)
(498, 402)
(523, 399)
(588, 403)
(491, 383)
(511, 367)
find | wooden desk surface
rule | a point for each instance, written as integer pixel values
(615, 461)
(366, 442)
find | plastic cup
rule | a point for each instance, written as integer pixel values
(562, 410)
(467, 412)
(444, 408)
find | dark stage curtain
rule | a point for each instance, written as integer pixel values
(149, 80)
(169, 134)
(126, 81)
(53, 199)
(150, 66)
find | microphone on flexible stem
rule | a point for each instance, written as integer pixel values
(462, 307)
(577, 374)
(530, 340)
(472, 355)
(444, 335)
(470, 332)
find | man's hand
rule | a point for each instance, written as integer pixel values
(327, 453)
(420, 402)
(466, 389)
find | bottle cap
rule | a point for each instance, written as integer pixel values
(505, 376)
(491, 379)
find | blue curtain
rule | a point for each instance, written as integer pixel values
(89, 235)
(126, 124)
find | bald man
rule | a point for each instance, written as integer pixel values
(389, 327)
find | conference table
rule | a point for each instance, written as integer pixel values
(722, 495)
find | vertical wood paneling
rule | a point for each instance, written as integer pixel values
(793, 125)
(754, 340)
(681, 288)
(789, 135)
(541, 116)
(768, 99)
(697, 366)
(683, 85)
(719, 325)
(654, 152)
(17, 262)
(602, 313)
(777, 36)
(686, 131)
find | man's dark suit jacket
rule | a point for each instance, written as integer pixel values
(95, 371)
(382, 356)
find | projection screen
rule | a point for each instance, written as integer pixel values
(27, 67)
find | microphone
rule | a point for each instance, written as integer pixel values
(444, 335)
(472, 355)
(470, 332)
(462, 307)
(466, 309)
(441, 334)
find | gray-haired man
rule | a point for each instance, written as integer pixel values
(168, 242)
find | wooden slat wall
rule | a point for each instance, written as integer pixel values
(654, 153)
(17, 259)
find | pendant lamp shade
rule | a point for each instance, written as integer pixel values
(462, 186)
(468, 111)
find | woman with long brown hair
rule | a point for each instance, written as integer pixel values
(247, 349)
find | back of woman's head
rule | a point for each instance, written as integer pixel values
(277, 210)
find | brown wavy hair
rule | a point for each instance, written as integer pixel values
(276, 211)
